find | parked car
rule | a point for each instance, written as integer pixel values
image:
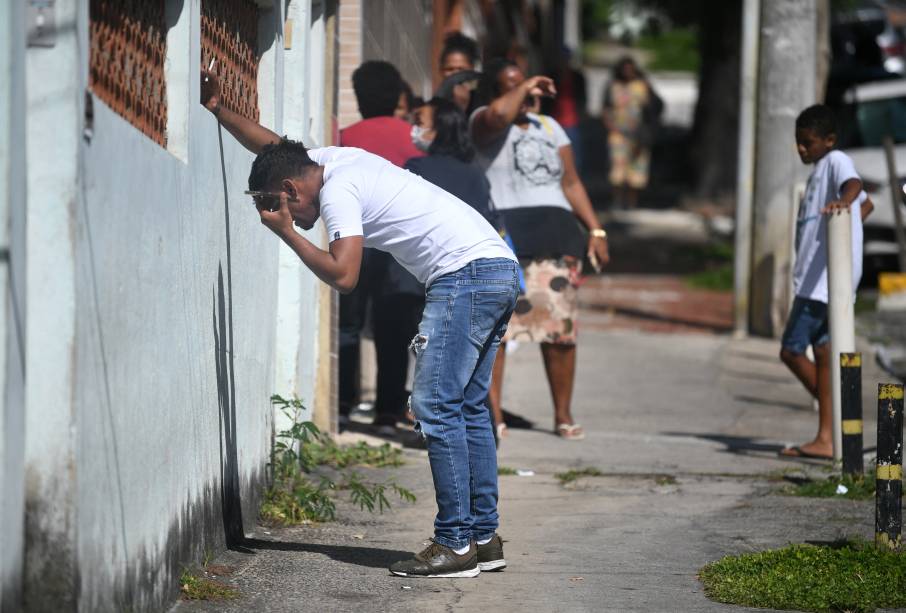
(868, 43)
(871, 111)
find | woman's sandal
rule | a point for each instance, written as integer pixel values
(571, 432)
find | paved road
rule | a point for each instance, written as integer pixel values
(705, 410)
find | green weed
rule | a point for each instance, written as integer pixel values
(857, 488)
(194, 587)
(505, 471)
(575, 474)
(300, 494)
(846, 576)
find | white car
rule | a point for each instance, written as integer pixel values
(871, 111)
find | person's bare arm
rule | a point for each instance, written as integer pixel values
(848, 193)
(867, 207)
(250, 135)
(338, 267)
(490, 123)
(578, 199)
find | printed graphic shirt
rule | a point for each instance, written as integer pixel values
(428, 231)
(824, 185)
(524, 166)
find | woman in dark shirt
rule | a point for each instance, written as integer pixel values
(440, 129)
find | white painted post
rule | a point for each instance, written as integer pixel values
(745, 173)
(840, 303)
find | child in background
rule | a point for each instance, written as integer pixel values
(833, 186)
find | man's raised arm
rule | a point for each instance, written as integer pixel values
(250, 135)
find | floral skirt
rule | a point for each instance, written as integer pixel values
(548, 310)
(626, 169)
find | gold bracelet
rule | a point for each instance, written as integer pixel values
(598, 233)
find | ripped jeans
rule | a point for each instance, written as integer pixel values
(465, 317)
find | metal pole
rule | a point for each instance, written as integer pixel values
(896, 199)
(840, 306)
(889, 485)
(745, 170)
(851, 392)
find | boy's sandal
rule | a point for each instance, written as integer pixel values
(571, 432)
(502, 430)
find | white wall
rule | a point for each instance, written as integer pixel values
(152, 342)
(12, 408)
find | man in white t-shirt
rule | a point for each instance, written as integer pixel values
(832, 186)
(472, 284)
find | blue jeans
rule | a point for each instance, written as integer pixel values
(807, 325)
(465, 317)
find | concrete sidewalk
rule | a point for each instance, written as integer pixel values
(686, 429)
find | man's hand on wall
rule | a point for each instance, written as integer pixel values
(210, 91)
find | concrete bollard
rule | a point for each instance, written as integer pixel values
(840, 309)
(889, 488)
(851, 409)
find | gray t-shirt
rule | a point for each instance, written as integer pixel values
(524, 166)
(824, 185)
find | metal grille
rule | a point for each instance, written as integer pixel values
(229, 36)
(126, 63)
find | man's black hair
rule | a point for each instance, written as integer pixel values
(377, 87)
(284, 160)
(819, 119)
(451, 131)
(457, 42)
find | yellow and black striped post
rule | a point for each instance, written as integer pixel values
(889, 488)
(851, 412)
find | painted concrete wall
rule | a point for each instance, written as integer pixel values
(152, 328)
(12, 376)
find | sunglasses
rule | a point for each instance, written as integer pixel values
(267, 200)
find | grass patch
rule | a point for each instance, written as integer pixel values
(665, 480)
(505, 471)
(719, 278)
(858, 488)
(850, 576)
(675, 49)
(302, 493)
(713, 264)
(575, 474)
(194, 587)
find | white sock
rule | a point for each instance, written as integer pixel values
(484, 541)
(461, 550)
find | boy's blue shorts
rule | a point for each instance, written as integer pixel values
(806, 326)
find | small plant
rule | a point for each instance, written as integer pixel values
(505, 471)
(665, 480)
(195, 587)
(857, 488)
(295, 497)
(843, 576)
(575, 474)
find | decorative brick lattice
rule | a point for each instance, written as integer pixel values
(229, 35)
(126, 61)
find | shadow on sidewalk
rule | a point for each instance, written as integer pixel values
(371, 557)
(733, 444)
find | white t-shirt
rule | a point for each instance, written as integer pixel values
(824, 184)
(524, 166)
(427, 230)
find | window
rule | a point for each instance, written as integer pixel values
(229, 38)
(126, 61)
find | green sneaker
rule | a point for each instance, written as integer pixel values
(490, 555)
(438, 560)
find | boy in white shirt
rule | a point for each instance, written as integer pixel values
(471, 283)
(833, 186)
